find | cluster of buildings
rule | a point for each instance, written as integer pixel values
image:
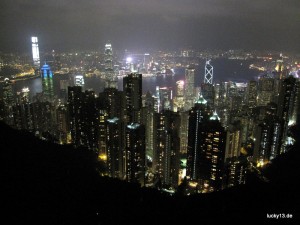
(206, 138)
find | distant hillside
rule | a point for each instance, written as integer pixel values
(44, 183)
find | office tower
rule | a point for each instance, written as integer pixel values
(47, 83)
(146, 62)
(84, 118)
(166, 157)
(63, 88)
(103, 116)
(8, 102)
(110, 76)
(147, 120)
(165, 98)
(89, 119)
(115, 148)
(184, 125)
(111, 100)
(281, 72)
(132, 88)
(209, 73)
(178, 102)
(74, 109)
(62, 121)
(265, 92)
(233, 140)
(206, 148)
(157, 103)
(287, 107)
(44, 119)
(207, 90)
(189, 87)
(267, 140)
(252, 94)
(110, 105)
(135, 153)
(23, 111)
(35, 52)
(217, 97)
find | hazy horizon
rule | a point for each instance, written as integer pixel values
(166, 24)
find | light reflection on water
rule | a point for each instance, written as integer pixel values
(224, 70)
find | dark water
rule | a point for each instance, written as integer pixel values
(224, 70)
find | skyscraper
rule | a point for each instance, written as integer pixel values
(115, 148)
(252, 94)
(189, 87)
(135, 153)
(287, 106)
(265, 90)
(206, 148)
(35, 52)
(209, 73)
(74, 109)
(110, 76)
(132, 88)
(47, 83)
(167, 149)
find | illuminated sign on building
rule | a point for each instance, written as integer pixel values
(79, 80)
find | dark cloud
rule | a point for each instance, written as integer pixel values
(77, 24)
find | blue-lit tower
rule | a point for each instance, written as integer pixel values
(47, 82)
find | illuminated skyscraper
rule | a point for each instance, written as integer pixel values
(267, 141)
(189, 87)
(252, 94)
(62, 121)
(265, 90)
(135, 153)
(74, 106)
(288, 106)
(23, 111)
(166, 155)
(35, 52)
(209, 73)
(84, 118)
(110, 76)
(115, 150)
(132, 88)
(47, 82)
(178, 101)
(206, 148)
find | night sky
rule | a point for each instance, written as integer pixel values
(142, 24)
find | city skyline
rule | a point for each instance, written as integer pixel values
(67, 25)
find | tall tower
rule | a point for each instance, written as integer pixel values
(166, 156)
(114, 143)
(206, 148)
(189, 87)
(47, 82)
(132, 87)
(209, 73)
(35, 52)
(110, 77)
(135, 153)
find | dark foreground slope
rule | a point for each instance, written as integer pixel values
(43, 183)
